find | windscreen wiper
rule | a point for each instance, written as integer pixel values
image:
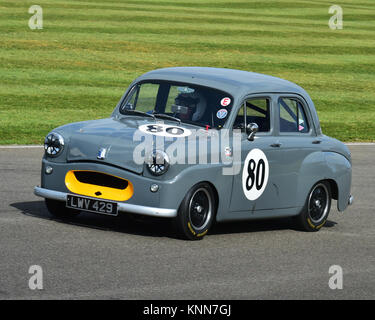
(166, 116)
(137, 112)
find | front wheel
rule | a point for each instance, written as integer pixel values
(59, 210)
(316, 210)
(196, 212)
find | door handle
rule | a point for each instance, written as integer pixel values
(317, 141)
(276, 145)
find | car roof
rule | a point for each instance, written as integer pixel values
(232, 81)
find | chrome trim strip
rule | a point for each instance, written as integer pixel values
(148, 211)
(123, 207)
(50, 194)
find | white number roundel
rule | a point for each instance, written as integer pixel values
(255, 174)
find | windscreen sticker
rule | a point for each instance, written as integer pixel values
(225, 101)
(165, 130)
(301, 125)
(222, 113)
(255, 174)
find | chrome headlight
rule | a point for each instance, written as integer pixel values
(53, 144)
(157, 162)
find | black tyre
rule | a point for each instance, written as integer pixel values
(316, 210)
(196, 212)
(59, 210)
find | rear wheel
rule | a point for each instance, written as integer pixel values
(316, 210)
(196, 212)
(59, 210)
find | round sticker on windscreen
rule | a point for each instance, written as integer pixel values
(222, 113)
(255, 174)
(225, 101)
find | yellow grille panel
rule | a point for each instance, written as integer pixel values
(98, 185)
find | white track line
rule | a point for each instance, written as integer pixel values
(20, 147)
(360, 144)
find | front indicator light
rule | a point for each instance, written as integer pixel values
(48, 170)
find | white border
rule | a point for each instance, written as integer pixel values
(41, 146)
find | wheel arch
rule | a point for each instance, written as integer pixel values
(326, 166)
(216, 194)
(334, 188)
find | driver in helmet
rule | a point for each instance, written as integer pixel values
(190, 105)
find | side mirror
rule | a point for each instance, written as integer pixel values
(251, 129)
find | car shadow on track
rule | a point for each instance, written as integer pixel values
(260, 225)
(153, 227)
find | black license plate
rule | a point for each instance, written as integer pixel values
(92, 205)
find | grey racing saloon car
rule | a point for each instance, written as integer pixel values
(260, 149)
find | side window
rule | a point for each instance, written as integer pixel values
(292, 116)
(257, 111)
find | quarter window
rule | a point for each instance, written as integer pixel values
(292, 116)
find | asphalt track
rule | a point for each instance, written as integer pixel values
(100, 257)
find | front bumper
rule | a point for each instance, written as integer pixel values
(122, 207)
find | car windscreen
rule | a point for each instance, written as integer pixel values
(193, 104)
